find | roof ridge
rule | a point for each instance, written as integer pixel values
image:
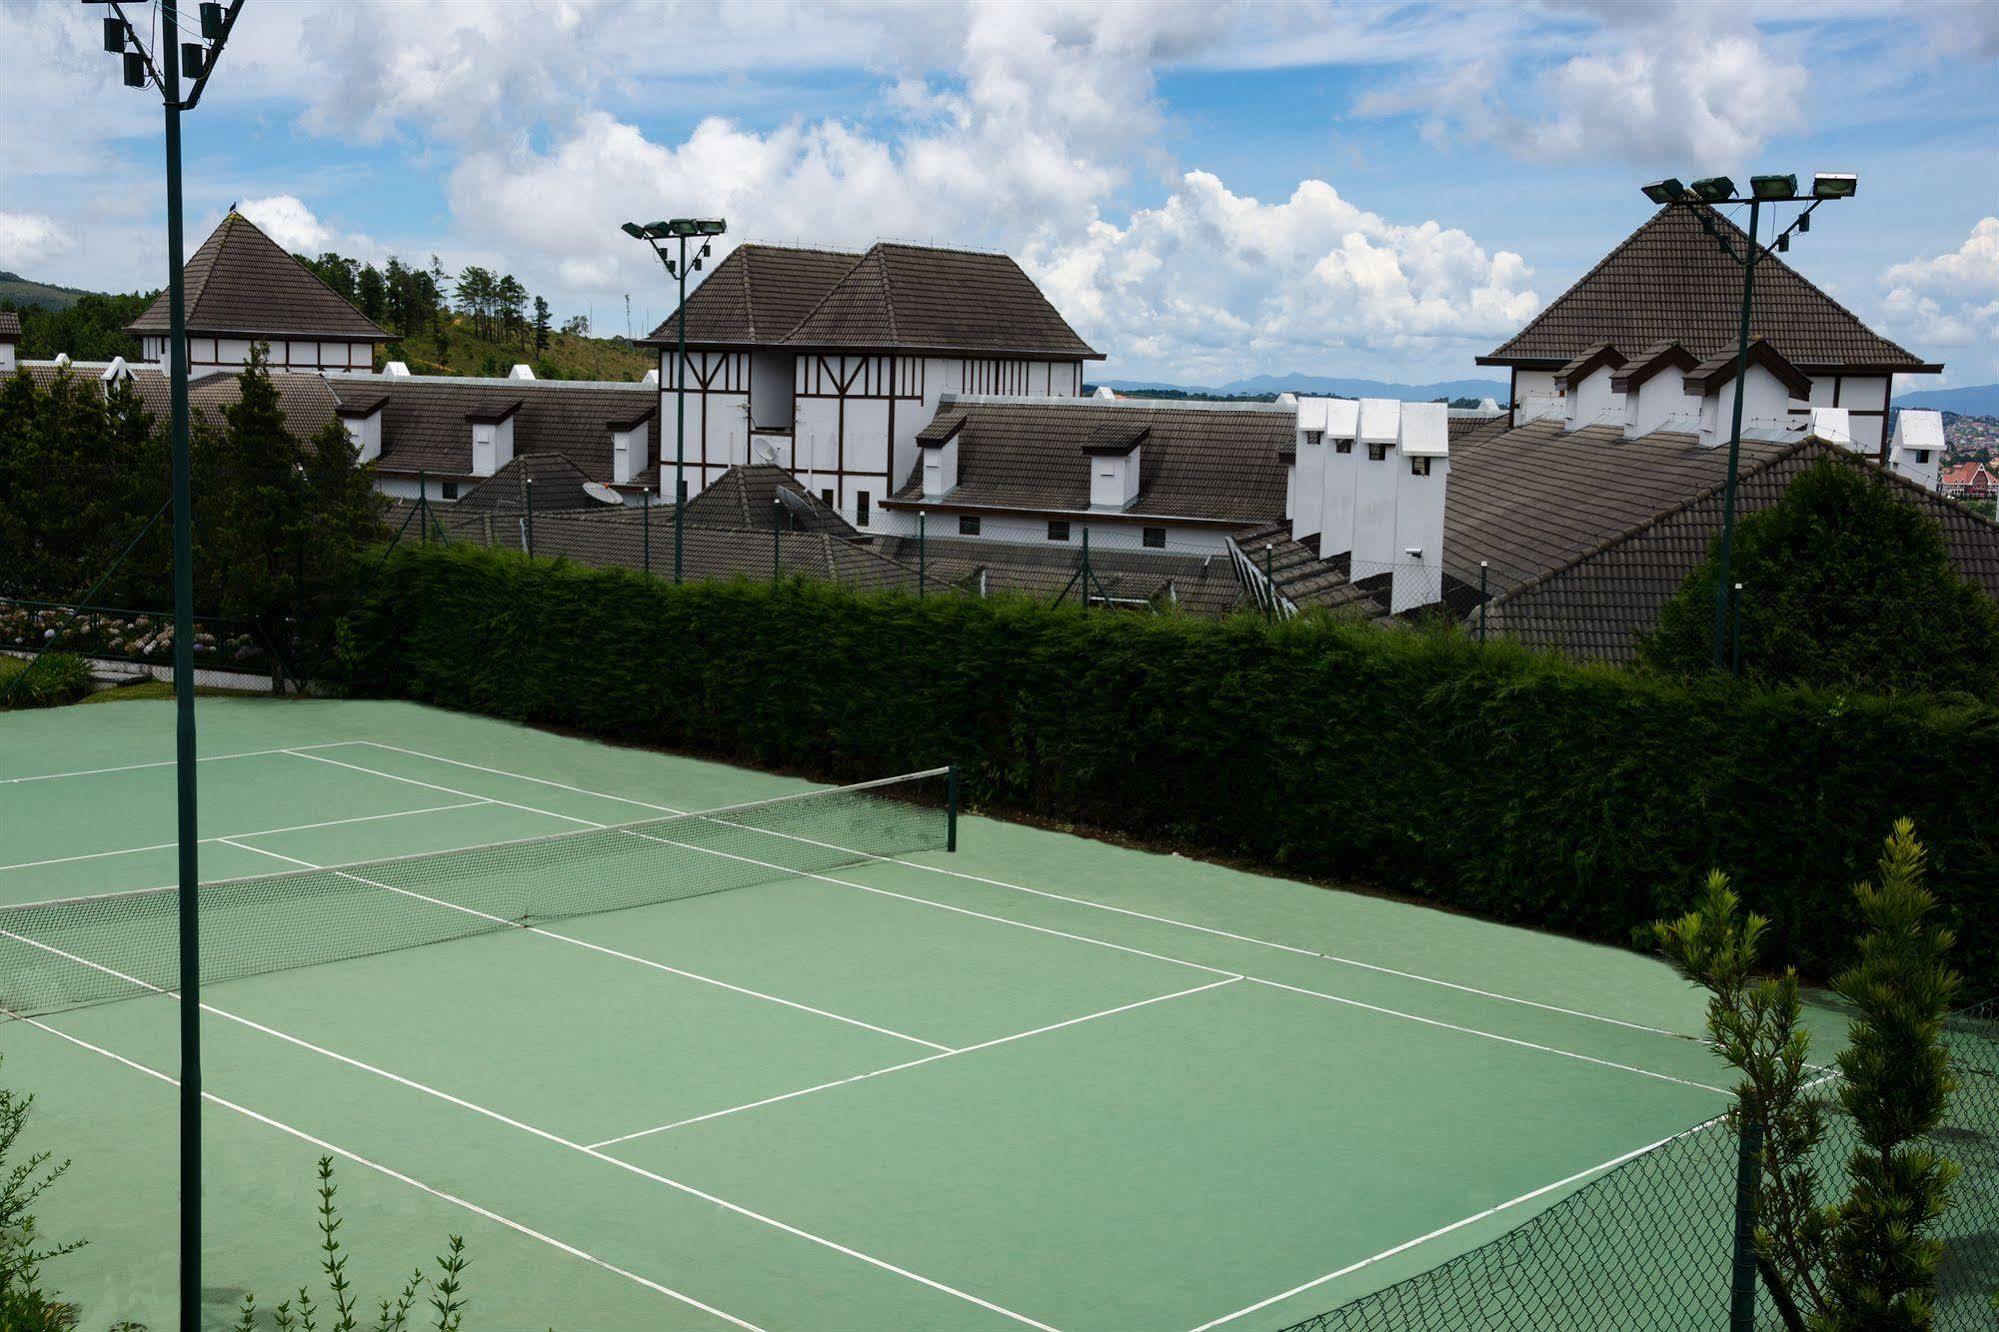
(1600, 265)
(830, 292)
(888, 294)
(749, 297)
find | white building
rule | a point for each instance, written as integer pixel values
(829, 363)
(241, 288)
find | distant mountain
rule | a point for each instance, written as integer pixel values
(22, 291)
(1980, 401)
(1328, 386)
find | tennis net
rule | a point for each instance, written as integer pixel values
(86, 950)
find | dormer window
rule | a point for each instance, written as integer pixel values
(1419, 467)
(1922, 457)
(1343, 446)
(1376, 452)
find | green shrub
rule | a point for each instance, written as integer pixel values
(1520, 787)
(47, 681)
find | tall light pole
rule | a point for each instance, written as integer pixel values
(1703, 198)
(656, 234)
(198, 58)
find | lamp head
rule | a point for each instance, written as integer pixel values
(1665, 191)
(1835, 185)
(634, 230)
(1714, 189)
(1774, 188)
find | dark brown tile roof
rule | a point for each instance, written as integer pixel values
(242, 283)
(755, 296)
(1718, 369)
(1532, 499)
(1302, 578)
(424, 423)
(558, 484)
(1669, 282)
(10, 326)
(1216, 464)
(1198, 583)
(894, 296)
(1599, 605)
(305, 399)
(743, 497)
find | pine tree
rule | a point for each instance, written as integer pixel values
(541, 318)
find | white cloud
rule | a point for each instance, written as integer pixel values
(1216, 285)
(27, 240)
(1950, 300)
(286, 220)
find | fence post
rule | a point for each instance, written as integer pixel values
(1735, 632)
(951, 803)
(422, 507)
(1748, 1171)
(1269, 586)
(528, 540)
(645, 531)
(1084, 590)
(1482, 567)
(776, 527)
(922, 554)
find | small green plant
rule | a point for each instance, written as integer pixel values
(24, 1305)
(301, 1313)
(47, 681)
(1865, 1263)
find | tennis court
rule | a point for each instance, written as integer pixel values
(787, 1064)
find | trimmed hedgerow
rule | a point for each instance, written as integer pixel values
(1482, 777)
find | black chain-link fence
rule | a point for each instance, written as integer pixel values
(1649, 1244)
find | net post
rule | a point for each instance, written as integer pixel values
(528, 539)
(951, 809)
(776, 539)
(1483, 567)
(1748, 1170)
(645, 532)
(922, 553)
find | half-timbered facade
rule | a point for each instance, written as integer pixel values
(1669, 283)
(243, 290)
(828, 363)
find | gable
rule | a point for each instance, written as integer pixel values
(241, 283)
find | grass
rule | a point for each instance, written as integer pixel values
(465, 353)
(138, 690)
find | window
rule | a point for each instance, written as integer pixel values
(827, 495)
(1154, 537)
(450, 490)
(1419, 467)
(1314, 436)
(1343, 446)
(860, 508)
(1058, 531)
(1376, 452)
(1922, 457)
(968, 524)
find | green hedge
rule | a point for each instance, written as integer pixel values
(1519, 787)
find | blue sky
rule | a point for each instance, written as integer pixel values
(1207, 190)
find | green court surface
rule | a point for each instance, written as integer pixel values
(1041, 1081)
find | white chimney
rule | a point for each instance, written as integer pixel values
(1834, 425)
(1424, 465)
(62, 359)
(1916, 451)
(7, 355)
(492, 439)
(1588, 394)
(115, 372)
(1766, 395)
(1655, 393)
(631, 449)
(521, 372)
(1308, 470)
(1103, 392)
(651, 377)
(939, 461)
(1342, 466)
(1113, 451)
(1374, 550)
(363, 424)
(397, 368)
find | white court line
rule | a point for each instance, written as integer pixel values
(544, 1134)
(396, 1175)
(1489, 1035)
(299, 752)
(927, 1059)
(261, 832)
(1460, 1224)
(168, 763)
(1088, 902)
(1102, 943)
(593, 947)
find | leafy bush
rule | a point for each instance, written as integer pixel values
(1845, 582)
(1520, 787)
(24, 1305)
(47, 681)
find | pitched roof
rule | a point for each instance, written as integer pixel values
(424, 418)
(308, 403)
(1209, 463)
(744, 495)
(241, 283)
(1597, 606)
(10, 326)
(894, 296)
(558, 484)
(1669, 282)
(755, 296)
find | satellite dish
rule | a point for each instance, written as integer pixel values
(602, 493)
(766, 450)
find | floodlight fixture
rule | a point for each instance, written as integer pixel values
(658, 230)
(1774, 188)
(634, 230)
(1835, 185)
(114, 35)
(711, 226)
(684, 226)
(1665, 191)
(1714, 189)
